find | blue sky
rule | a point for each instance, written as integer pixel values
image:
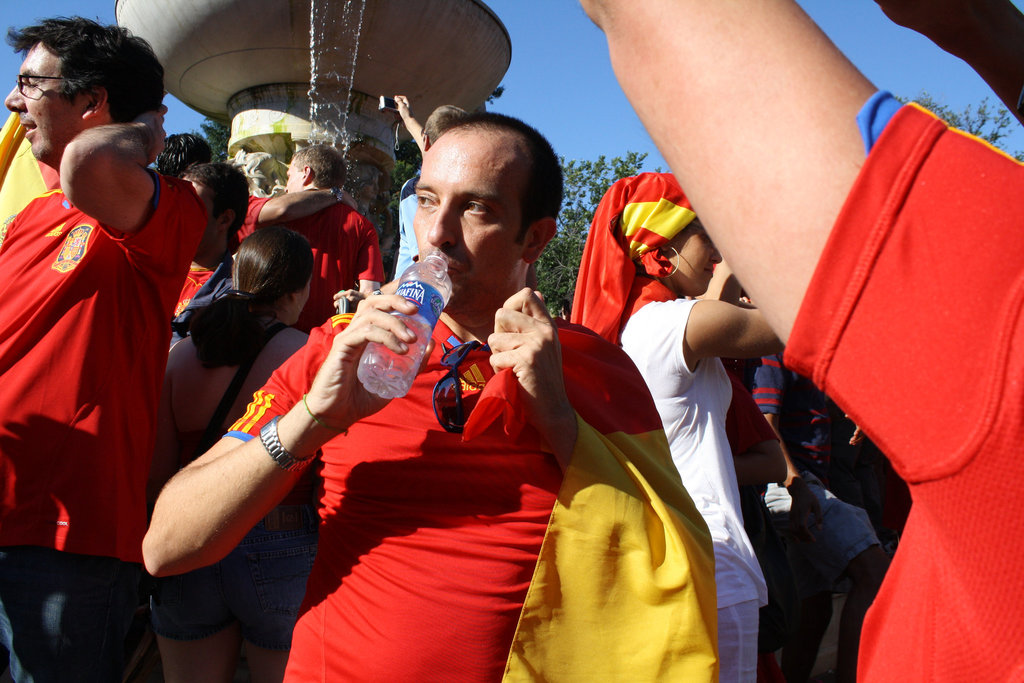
(561, 81)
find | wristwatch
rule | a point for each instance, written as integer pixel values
(285, 460)
(339, 194)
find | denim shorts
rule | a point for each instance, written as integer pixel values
(64, 616)
(845, 533)
(260, 584)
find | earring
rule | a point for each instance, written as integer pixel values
(679, 257)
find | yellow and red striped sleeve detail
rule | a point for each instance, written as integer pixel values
(258, 407)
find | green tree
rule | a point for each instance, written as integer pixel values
(991, 123)
(217, 135)
(407, 164)
(585, 184)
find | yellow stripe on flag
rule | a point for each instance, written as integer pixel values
(661, 217)
(20, 178)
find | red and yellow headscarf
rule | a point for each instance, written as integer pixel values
(636, 216)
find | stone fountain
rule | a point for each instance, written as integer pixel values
(250, 63)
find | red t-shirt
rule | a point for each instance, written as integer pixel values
(427, 540)
(83, 344)
(345, 250)
(921, 286)
(194, 281)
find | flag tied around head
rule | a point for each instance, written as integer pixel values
(636, 216)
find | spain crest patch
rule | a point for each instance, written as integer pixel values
(73, 249)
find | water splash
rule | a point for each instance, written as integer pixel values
(332, 67)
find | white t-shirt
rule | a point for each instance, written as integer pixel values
(693, 406)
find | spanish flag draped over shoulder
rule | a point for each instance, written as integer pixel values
(21, 179)
(624, 587)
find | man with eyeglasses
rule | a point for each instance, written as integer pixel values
(535, 528)
(89, 274)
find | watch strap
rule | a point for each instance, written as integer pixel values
(271, 442)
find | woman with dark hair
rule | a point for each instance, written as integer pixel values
(202, 617)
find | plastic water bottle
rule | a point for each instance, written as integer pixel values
(426, 284)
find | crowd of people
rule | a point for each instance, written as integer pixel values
(646, 491)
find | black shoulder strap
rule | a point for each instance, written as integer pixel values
(215, 429)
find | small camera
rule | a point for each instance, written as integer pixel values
(387, 104)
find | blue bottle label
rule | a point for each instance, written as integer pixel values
(429, 300)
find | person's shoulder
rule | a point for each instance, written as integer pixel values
(587, 342)
(332, 327)
(183, 358)
(176, 189)
(174, 195)
(409, 187)
(659, 315)
(658, 308)
(289, 338)
(48, 202)
(284, 344)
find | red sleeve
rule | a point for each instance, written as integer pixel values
(920, 286)
(744, 423)
(369, 265)
(165, 245)
(252, 215)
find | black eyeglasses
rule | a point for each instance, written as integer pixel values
(32, 90)
(448, 390)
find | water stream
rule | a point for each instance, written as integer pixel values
(333, 49)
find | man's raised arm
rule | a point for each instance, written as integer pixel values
(103, 171)
(755, 111)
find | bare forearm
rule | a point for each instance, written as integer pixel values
(206, 509)
(791, 470)
(294, 205)
(762, 464)
(368, 287)
(724, 286)
(415, 130)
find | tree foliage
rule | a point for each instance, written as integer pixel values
(585, 185)
(217, 135)
(991, 123)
